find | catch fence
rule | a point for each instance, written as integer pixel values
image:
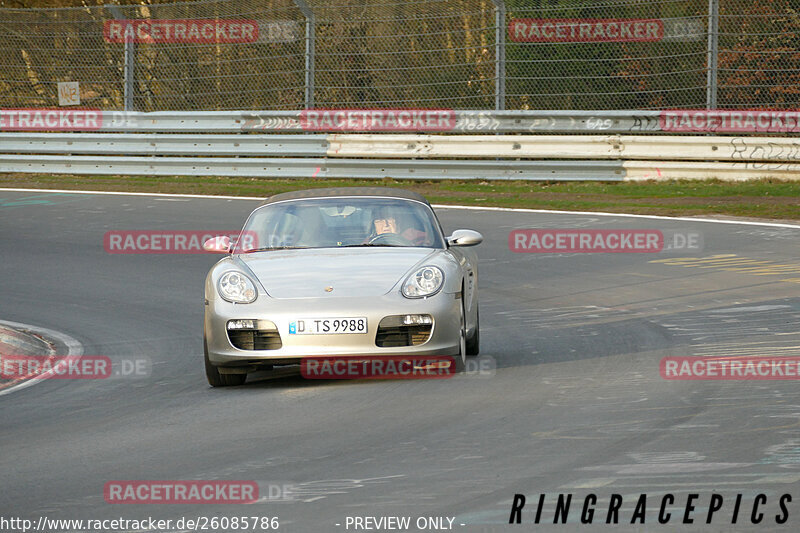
(448, 54)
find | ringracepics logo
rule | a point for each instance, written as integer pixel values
(714, 508)
(378, 367)
(187, 492)
(226, 31)
(172, 242)
(617, 241)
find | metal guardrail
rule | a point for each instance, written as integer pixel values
(463, 121)
(492, 157)
(164, 144)
(477, 121)
(541, 170)
(315, 167)
(723, 170)
(623, 147)
(634, 122)
(644, 147)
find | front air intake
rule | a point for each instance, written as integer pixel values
(404, 330)
(264, 336)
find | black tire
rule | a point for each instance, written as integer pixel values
(215, 379)
(462, 342)
(474, 342)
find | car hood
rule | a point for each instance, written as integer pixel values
(352, 272)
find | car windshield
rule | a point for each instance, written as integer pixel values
(340, 222)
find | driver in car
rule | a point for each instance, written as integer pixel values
(385, 223)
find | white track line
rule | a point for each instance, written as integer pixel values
(626, 215)
(72, 191)
(74, 347)
(438, 206)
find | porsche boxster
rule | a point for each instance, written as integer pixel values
(352, 271)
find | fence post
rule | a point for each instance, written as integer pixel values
(500, 54)
(129, 67)
(311, 38)
(713, 53)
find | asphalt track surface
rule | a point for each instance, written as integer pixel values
(576, 405)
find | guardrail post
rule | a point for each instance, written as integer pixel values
(311, 38)
(713, 53)
(129, 68)
(500, 54)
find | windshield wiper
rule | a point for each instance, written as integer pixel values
(368, 244)
(269, 248)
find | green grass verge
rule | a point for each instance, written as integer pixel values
(765, 199)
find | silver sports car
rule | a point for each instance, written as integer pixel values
(352, 271)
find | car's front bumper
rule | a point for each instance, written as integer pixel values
(444, 308)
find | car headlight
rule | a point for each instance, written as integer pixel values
(236, 287)
(426, 281)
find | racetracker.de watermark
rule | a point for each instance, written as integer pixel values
(377, 119)
(730, 368)
(527, 30)
(593, 241)
(378, 367)
(197, 31)
(730, 121)
(171, 241)
(22, 367)
(395, 367)
(33, 119)
(176, 491)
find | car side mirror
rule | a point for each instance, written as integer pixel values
(218, 245)
(465, 237)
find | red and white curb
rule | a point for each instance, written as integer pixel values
(25, 339)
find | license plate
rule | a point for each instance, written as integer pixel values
(327, 326)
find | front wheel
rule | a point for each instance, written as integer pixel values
(215, 379)
(460, 359)
(474, 342)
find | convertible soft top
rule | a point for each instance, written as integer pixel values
(385, 192)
